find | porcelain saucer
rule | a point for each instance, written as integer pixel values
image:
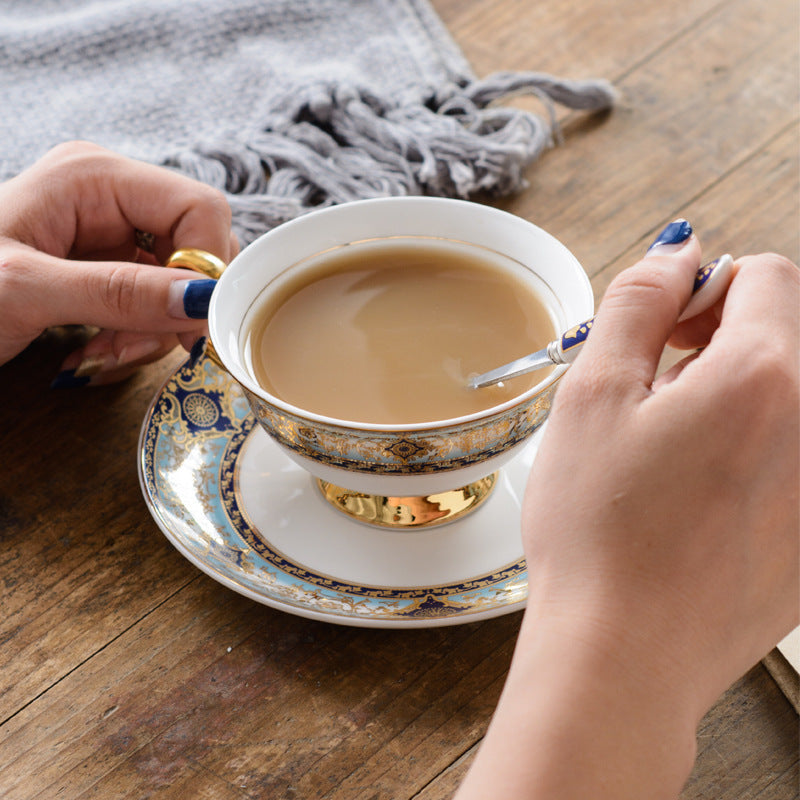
(227, 498)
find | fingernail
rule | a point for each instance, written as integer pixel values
(137, 350)
(197, 351)
(671, 239)
(81, 375)
(91, 365)
(190, 298)
(67, 379)
(103, 362)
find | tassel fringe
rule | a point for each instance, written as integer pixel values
(328, 144)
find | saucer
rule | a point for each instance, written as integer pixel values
(237, 508)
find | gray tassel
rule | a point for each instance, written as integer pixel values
(328, 144)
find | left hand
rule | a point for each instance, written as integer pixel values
(69, 255)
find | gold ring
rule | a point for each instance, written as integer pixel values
(198, 260)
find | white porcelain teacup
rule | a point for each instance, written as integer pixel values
(397, 475)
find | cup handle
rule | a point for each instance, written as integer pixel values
(198, 260)
(208, 264)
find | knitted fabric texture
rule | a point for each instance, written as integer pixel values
(286, 105)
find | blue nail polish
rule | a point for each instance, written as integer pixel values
(197, 296)
(66, 379)
(675, 233)
(198, 348)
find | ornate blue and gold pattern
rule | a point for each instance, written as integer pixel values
(407, 452)
(703, 274)
(576, 336)
(191, 437)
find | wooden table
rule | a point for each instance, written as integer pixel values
(126, 672)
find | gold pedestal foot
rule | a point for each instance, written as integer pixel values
(402, 513)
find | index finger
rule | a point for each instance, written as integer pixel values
(179, 211)
(103, 198)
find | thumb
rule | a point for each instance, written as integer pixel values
(119, 295)
(640, 310)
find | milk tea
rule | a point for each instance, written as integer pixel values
(388, 331)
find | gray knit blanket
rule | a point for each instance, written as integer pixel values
(286, 105)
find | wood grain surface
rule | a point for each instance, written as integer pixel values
(127, 673)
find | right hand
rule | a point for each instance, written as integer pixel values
(666, 515)
(660, 526)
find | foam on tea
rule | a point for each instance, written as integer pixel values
(388, 331)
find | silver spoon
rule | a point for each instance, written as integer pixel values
(710, 283)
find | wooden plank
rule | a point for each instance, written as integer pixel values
(455, 702)
(668, 142)
(180, 780)
(752, 209)
(744, 755)
(167, 696)
(784, 674)
(346, 718)
(743, 742)
(572, 39)
(77, 583)
(170, 670)
(446, 783)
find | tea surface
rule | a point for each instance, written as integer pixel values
(389, 331)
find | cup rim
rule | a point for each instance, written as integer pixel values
(243, 377)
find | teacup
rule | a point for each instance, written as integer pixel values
(397, 475)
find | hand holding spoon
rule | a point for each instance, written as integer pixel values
(710, 283)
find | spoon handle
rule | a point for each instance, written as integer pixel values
(710, 283)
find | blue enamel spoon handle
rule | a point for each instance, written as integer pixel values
(710, 283)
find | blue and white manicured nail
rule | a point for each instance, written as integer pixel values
(91, 368)
(710, 283)
(67, 379)
(198, 348)
(78, 369)
(190, 299)
(671, 239)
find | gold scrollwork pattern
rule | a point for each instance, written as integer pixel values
(405, 452)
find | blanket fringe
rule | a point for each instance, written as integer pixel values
(326, 144)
